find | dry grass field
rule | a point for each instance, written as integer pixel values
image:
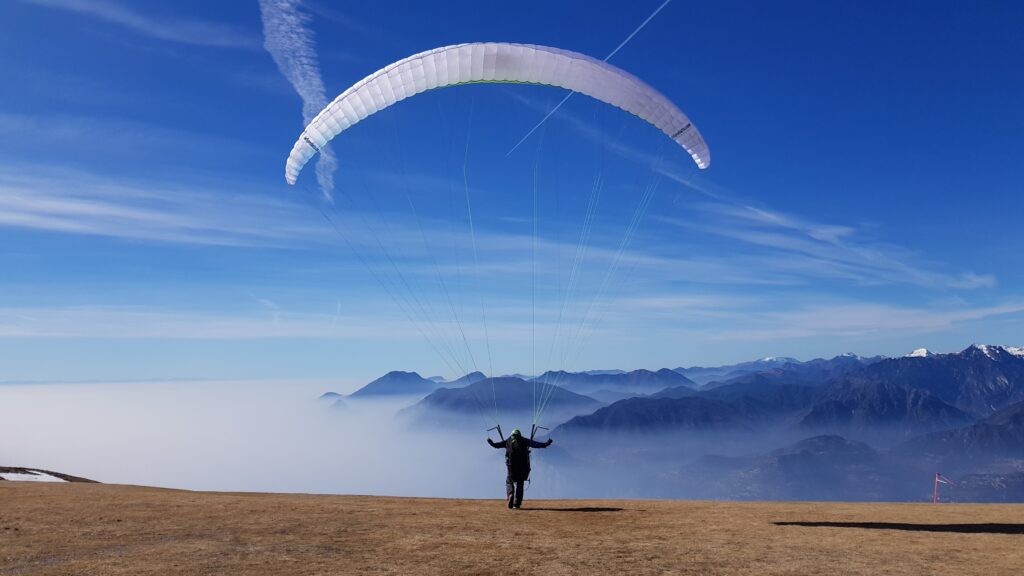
(109, 529)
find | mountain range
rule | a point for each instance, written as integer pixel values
(998, 438)
(881, 407)
(704, 375)
(657, 415)
(756, 429)
(398, 383)
(513, 399)
(850, 395)
(979, 380)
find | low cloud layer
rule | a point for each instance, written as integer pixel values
(249, 436)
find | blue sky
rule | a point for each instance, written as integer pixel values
(864, 195)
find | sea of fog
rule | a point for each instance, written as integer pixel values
(240, 436)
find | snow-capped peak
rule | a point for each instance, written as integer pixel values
(920, 353)
(988, 350)
(1015, 350)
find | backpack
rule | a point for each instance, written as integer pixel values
(518, 453)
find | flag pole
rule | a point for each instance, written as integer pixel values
(935, 490)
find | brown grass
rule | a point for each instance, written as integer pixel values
(108, 529)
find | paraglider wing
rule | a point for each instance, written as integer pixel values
(495, 62)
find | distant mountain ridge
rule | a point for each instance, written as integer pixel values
(979, 380)
(868, 398)
(514, 399)
(849, 427)
(818, 369)
(882, 405)
(397, 383)
(652, 415)
(641, 381)
(703, 375)
(471, 378)
(848, 394)
(1001, 435)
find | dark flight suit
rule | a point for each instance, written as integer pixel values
(518, 469)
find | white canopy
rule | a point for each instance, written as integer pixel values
(495, 62)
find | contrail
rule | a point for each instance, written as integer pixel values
(606, 58)
(293, 47)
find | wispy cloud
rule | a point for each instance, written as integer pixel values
(162, 27)
(65, 200)
(68, 201)
(813, 249)
(376, 317)
(684, 319)
(119, 322)
(76, 136)
(764, 248)
(856, 319)
(288, 39)
(396, 248)
(271, 307)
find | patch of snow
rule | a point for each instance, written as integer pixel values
(30, 476)
(1015, 350)
(920, 353)
(989, 351)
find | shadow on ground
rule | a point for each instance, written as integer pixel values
(958, 528)
(584, 509)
